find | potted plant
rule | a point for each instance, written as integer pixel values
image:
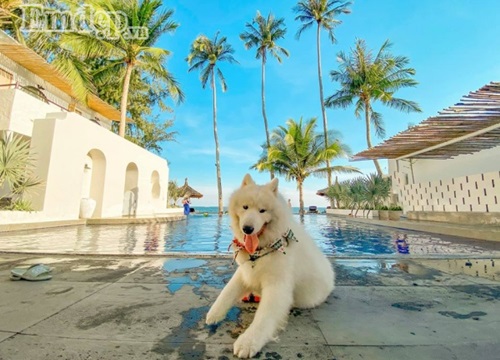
(383, 213)
(395, 212)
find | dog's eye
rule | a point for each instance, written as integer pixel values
(245, 207)
(262, 211)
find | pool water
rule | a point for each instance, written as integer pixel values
(208, 235)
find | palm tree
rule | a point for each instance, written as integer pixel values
(324, 13)
(377, 190)
(366, 79)
(338, 194)
(297, 151)
(9, 19)
(205, 54)
(368, 192)
(173, 193)
(122, 49)
(263, 34)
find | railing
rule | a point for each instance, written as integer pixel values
(18, 86)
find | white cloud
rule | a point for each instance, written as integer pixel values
(192, 119)
(239, 155)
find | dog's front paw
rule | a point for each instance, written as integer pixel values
(215, 316)
(247, 345)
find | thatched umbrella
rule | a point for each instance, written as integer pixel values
(187, 191)
(322, 192)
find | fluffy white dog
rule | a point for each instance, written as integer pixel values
(277, 260)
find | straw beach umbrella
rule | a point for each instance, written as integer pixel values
(187, 191)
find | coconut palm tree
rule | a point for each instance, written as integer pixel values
(262, 34)
(125, 49)
(298, 151)
(324, 13)
(205, 54)
(365, 79)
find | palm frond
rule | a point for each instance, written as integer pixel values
(76, 72)
(378, 124)
(205, 54)
(365, 79)
(222, 80)
(403, 105)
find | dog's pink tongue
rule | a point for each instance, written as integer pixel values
(251, 243)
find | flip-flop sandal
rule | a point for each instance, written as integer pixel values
(37, 272)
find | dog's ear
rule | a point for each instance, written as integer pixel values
(247, 180)
(273, 185)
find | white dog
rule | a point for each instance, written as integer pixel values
(277, 260)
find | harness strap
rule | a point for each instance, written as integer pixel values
(278, 245)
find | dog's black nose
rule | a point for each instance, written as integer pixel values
(248, 229)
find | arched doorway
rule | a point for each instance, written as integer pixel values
(131, 190)
(94, 171)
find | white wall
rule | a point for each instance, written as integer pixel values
(23, 109)
(61, 147)
(430, 170)
(6, 101)
(467, 183)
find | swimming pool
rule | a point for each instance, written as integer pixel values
(211, 235)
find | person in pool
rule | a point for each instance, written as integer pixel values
(185, 204)
(401, 244)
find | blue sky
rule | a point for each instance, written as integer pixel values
(454, 45)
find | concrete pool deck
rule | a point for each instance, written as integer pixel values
(154, 308)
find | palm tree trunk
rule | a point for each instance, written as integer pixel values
(368, 138)
(123, 105)
(321, 99)
(217, 160)
(263, 91)
(301, 197)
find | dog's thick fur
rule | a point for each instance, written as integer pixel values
(301, 277)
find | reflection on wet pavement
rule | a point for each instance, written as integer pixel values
(196, 273)
(445, 270)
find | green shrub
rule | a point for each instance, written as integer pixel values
(17, 175)
(396, 208)
(20, 205)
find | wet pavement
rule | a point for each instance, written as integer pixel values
(154, 308)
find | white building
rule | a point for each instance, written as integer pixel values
(447, 168)
(77, 156)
